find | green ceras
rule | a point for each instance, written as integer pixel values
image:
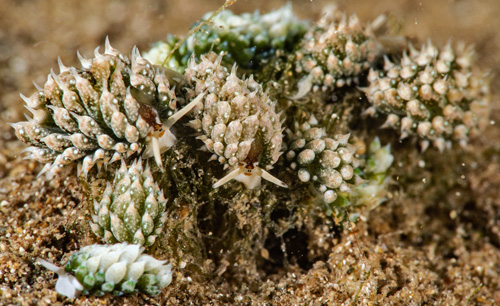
(119, 269)
(237, 121)
(249, 40)
(108, 110)
(132, 209)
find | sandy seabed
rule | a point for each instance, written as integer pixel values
(436, 241)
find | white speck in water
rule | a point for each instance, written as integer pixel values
(424, 180)
(421, 163)
(453, 214)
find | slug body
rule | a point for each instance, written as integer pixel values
(237, 121)
(119, 269)
(434, 94)
(107, 110)
(333, 53)
(328, 163)
(250, 40)
(132, 208)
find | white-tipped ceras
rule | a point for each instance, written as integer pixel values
(329, 163)
(334, 53)
(435, 94)
(132, 208)
(237, 121)
(117, 268)
(109, 109)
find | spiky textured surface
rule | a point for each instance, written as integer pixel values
(249, 39)
(119, 269)
(132, 208)
(333, 53)
(99, 113)
(326, 162)
(237, 120)
(435, 94)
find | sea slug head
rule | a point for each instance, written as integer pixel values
(161, 138)
(250, 175)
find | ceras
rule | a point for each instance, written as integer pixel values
(334, 53)
(329, 163)
(115, 268)
(111, 108)
(132, 207)
(237, 121)
(437, 95)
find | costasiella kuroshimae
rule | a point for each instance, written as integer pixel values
(237, 121)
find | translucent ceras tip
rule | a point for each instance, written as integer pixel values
(86, 63)
(62, 68)
(109, 49)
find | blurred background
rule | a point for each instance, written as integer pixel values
(34, 33)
